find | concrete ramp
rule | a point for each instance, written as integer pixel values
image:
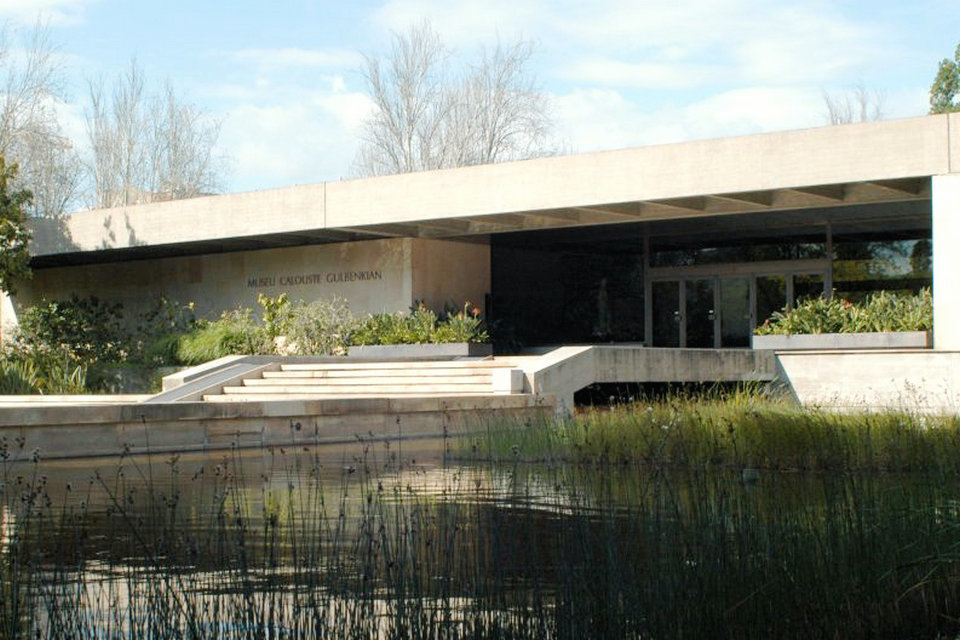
(562, 371)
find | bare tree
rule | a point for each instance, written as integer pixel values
(854, 105)
(30, 132)
(427, 117)
(146, 147)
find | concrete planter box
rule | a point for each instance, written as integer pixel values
(421, 351)
(827, 341)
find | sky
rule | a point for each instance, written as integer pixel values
(284, 77)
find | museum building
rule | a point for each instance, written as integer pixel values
(681, 245)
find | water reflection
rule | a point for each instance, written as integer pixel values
(391, 541)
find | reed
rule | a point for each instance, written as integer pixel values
(738, 429)
(511, 550)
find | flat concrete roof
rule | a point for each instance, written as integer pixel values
(814, 168)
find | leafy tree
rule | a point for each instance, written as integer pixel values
(945, 90)
(14, 259)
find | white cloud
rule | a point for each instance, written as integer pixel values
(605, 119)
(803, 46)
(297, 136)
(297, 58)
(666, 44)
(463, 23)
(54, 12)
(658, 75)
(753, 110)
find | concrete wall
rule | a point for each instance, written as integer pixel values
(924, 380)
(71, 431)
(446, 272)
(946, 261)
(373, 276)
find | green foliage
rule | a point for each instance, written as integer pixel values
(59, 343)
(81, 329)
(234, 333)
(155, 337)
(20, 375)
(276, 312)
(422, 326)
(881, 311)
(69, 346)
(14, 236)
(945, 90)
(323, 327)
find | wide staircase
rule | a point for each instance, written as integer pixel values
(374, 379)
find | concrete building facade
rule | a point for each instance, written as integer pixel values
(682, 245)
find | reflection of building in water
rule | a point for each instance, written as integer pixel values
(8, 524)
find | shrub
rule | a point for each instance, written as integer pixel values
(421, 326)
(81, 329)
(155, 337)
(881, 311)
(22, 374)
(234, 333)
(71, 346)
(465, 325)
(324, 327)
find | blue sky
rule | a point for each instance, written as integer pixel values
(284, 76)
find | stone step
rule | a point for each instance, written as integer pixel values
(410, 380)
(384, 389)
(259, 397)
(409, 372)
(417, 364)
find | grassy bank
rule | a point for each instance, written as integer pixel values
(745, 428)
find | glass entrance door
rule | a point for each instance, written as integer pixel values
(736, 324)
(667, 314)
(721, 310)
(700, 317)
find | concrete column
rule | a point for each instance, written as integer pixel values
(945, 191)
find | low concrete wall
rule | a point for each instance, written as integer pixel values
(421, 351)
(914, 380)
(563, 371)
(822, 341)
(61, 431)
(644, 364)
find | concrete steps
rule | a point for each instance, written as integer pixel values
(375, 379)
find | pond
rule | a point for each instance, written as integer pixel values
(398, 540)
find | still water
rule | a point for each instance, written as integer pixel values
(402, 540)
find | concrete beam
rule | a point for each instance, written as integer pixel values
(671, 178)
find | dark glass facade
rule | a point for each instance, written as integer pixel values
(707, 282)
(568, 286)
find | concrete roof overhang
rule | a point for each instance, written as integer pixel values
(829, 167)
